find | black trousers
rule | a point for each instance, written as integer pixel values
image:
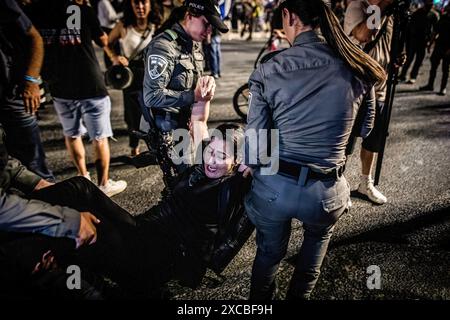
(439, 54)
(132, 114)
(415, 52)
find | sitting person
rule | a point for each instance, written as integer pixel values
(29, 228)
(203, 224)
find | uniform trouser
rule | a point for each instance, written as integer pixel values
(438, 55)
(23, 139)
(271, 204)
(19, 253)
(132, 113)
(417, 51)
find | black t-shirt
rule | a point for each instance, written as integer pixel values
(70, 65)
(14, 47)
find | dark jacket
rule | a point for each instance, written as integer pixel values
(204, 224)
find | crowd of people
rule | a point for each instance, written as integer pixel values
(320, 94)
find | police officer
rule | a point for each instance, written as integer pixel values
(173, 79)
(310, 94)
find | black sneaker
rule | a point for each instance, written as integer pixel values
(443, 92)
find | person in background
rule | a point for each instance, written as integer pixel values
(108, 17)
(420, 29)
(133, 33)
(377, 42)
(441, 52)
(77, 84)
(21, 57)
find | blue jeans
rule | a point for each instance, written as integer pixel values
(23, 140)
(271, 204)
(215, 55)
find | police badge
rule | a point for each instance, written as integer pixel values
(156, 66)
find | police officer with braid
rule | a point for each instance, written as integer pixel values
(310, 93)
(174, 78)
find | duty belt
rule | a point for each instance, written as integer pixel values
(293, 170)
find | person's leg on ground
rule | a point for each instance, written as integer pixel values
(410, 52)
(215, 56)
(270, 212)
(69, 114)
(309, 260)
(322, 204)
(77, 153)
(435, 60)
(102, 158)
(272, 239)
(96, 115)
(445, 73)
(370, 146)
(132, 114)
(420, 55)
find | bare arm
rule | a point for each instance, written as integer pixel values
(31, 94)
(115, 59)
(113, 37)
(362, 32)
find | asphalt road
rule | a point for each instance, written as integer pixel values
(408, 238)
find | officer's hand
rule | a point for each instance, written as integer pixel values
(116, 60)
(88, 232)
(31, 97)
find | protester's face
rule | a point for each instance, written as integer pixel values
(218, 158)
(198, 28)
(141, 8)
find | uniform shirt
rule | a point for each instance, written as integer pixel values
(311, 97)
(22, 215)
(355, 14)
(172, 68)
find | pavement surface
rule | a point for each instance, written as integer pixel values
(408, 238)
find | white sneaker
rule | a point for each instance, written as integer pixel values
(112, 187)
(368, 189)
(87, 176)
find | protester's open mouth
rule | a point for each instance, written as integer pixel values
(211, 169)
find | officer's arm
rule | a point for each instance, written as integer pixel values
(22, 215)
(159, 66)
(356, 20)
(259, 120)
